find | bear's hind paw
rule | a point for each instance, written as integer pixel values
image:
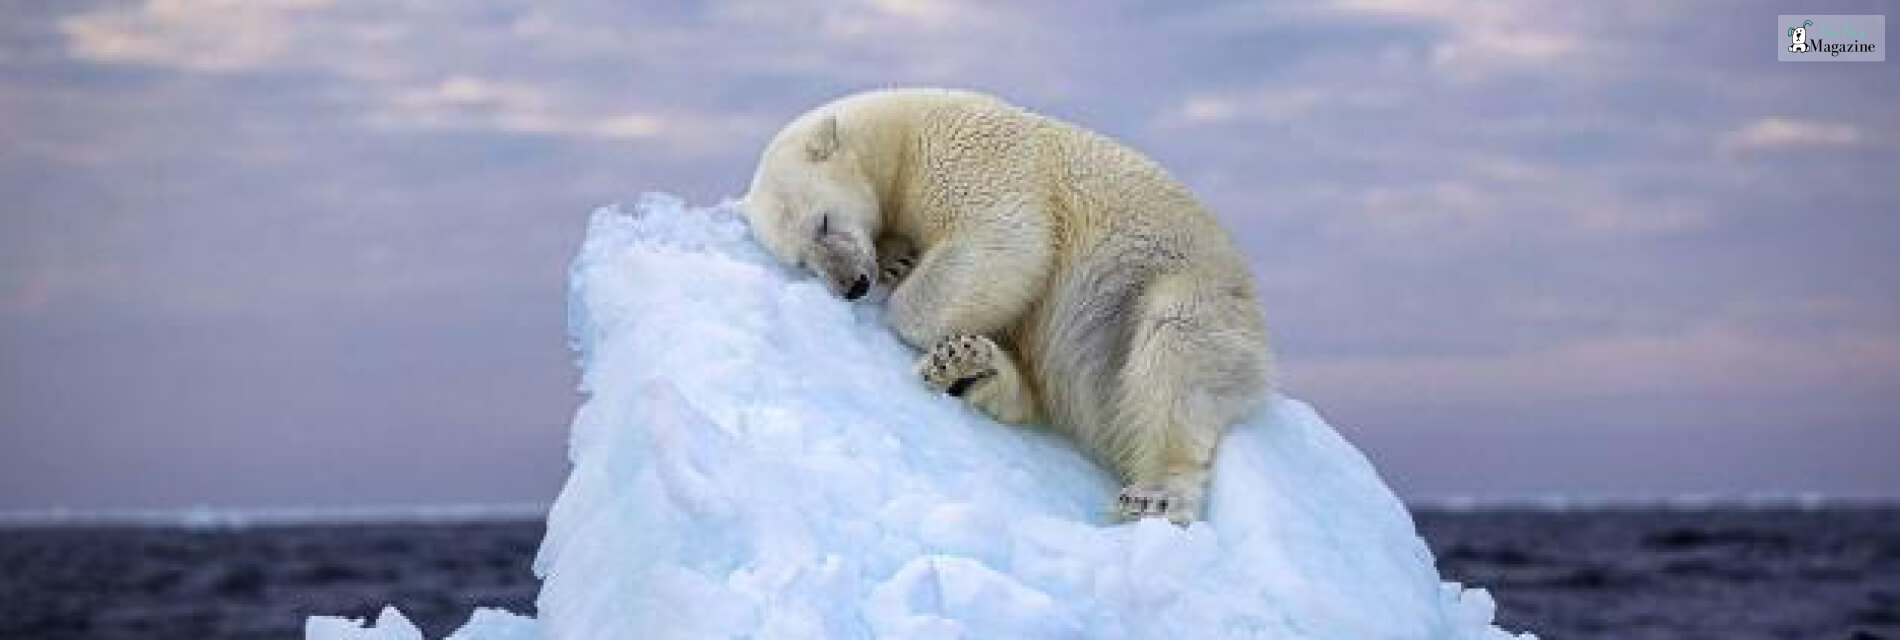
(1138, 501)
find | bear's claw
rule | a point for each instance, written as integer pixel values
(894, 266)
(1138, 501)
(958, 363)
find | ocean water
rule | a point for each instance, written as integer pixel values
(1623, 573)
(210, 582)
(1637, 574)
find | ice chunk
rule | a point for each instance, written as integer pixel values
(389, 625)
(754, 459)
(485, 624)
(496, 624)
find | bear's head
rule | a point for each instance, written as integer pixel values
(812, 204)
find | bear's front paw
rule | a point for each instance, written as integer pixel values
(894, 265)
(1145, 500)
(958, 363)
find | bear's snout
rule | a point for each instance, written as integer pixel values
(845, 265)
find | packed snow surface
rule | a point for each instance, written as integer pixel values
(756, 460)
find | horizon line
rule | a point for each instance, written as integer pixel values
(209, 517)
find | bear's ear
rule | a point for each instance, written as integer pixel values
(824, 140)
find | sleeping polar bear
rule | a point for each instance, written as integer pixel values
(1051, 274)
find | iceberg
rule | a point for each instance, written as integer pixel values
(755, 460)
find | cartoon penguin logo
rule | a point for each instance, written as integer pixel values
(1799, 35)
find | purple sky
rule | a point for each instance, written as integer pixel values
(303, 252)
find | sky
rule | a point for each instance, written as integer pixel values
(312, 252)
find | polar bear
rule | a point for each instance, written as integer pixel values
(1051, 275)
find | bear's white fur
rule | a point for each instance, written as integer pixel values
(1052, 275)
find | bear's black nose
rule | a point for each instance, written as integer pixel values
(858, 289)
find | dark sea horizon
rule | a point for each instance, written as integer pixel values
(1684, 568)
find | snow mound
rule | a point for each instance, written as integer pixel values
(755, 460)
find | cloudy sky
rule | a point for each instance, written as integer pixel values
(289, 252)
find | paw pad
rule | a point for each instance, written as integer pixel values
(958, 363)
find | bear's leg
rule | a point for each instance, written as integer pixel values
(981, 280)
(976, 369)
(1174, 481)
(1196, 363)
